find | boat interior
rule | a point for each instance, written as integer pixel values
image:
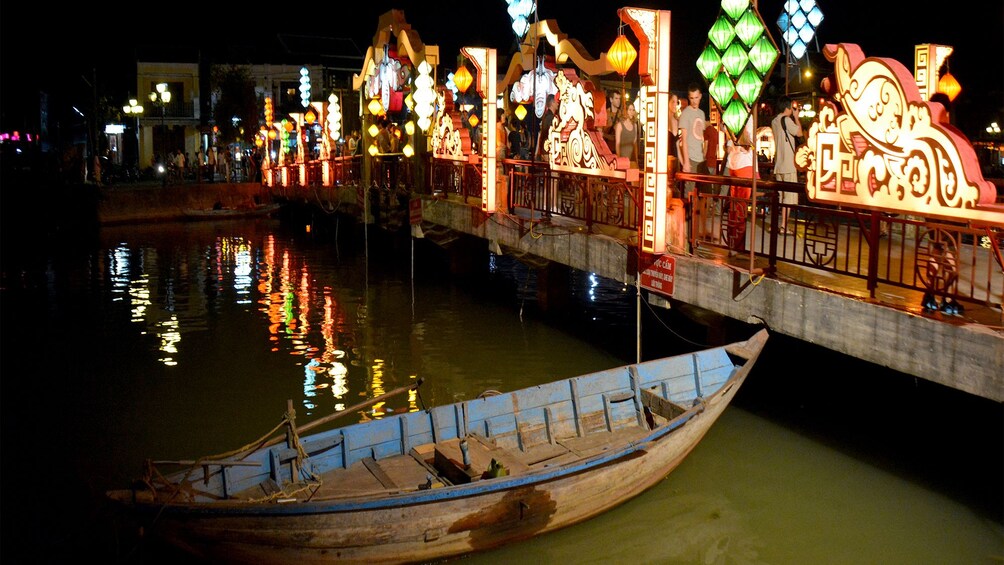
(534, 429)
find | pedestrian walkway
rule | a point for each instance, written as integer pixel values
(990, 315)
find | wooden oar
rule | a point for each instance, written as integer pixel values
(339, 414)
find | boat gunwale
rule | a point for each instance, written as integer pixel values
(382, 501)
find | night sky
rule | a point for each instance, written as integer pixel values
(60, 52)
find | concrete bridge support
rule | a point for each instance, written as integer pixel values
(553, 290)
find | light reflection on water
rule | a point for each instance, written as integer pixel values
(187, 340)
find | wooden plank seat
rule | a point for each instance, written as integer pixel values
(399, 472)
(449, 459)
(598, 442)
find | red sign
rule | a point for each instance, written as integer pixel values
(659, 276)
(415, 211)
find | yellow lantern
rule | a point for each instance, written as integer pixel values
(520, 112)
(375, 107)
(373, 150)
(463, 79)
(949, 86)
(271, 134)
(621, 55)
(473, 120)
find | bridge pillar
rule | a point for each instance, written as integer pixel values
(467, 256)
(553, 288)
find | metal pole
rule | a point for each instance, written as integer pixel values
(637, 286)
(137, 143)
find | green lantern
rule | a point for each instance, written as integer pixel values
(721, 33)
(748, 86)
(763, 55)
(749, 29)
(735, 8)
(722, 89)
(737, 59)
(735, 117)
(709, 62)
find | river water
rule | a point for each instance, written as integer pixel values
(175, 341)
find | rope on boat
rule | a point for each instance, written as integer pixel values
(270, 438)
(151, 468)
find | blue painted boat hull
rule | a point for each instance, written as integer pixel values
(454, 479)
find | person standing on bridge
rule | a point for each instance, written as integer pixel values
(546, 122)
(786, 127)
(739, 163)
(692, 125)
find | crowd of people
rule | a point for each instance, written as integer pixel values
(215, 164)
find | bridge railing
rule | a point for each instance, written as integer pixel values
(594, 200)
(895, 250)
(453, 178)
(334, 171)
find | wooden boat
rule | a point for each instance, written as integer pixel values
(450, 480)
(220, 213)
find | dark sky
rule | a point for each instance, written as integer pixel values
(101, 38)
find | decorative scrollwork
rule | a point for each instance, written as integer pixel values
(820, 242)
(936, 264)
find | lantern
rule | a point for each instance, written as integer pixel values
(520, 112)
(463, 79)
(949, 86)
(621, 55)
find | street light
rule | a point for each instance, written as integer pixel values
(133, 108)
(161, 98)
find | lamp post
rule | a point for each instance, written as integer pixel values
(133, 108)
(161, 98)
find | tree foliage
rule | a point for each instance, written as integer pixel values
(236, 109)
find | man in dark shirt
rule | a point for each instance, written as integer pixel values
(545, 127)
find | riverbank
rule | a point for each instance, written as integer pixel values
(123, 204)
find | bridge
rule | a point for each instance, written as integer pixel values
(849, 280)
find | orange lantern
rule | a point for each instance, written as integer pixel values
(269, 111)
(621, 55)
(949, 86)
(463, 79)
